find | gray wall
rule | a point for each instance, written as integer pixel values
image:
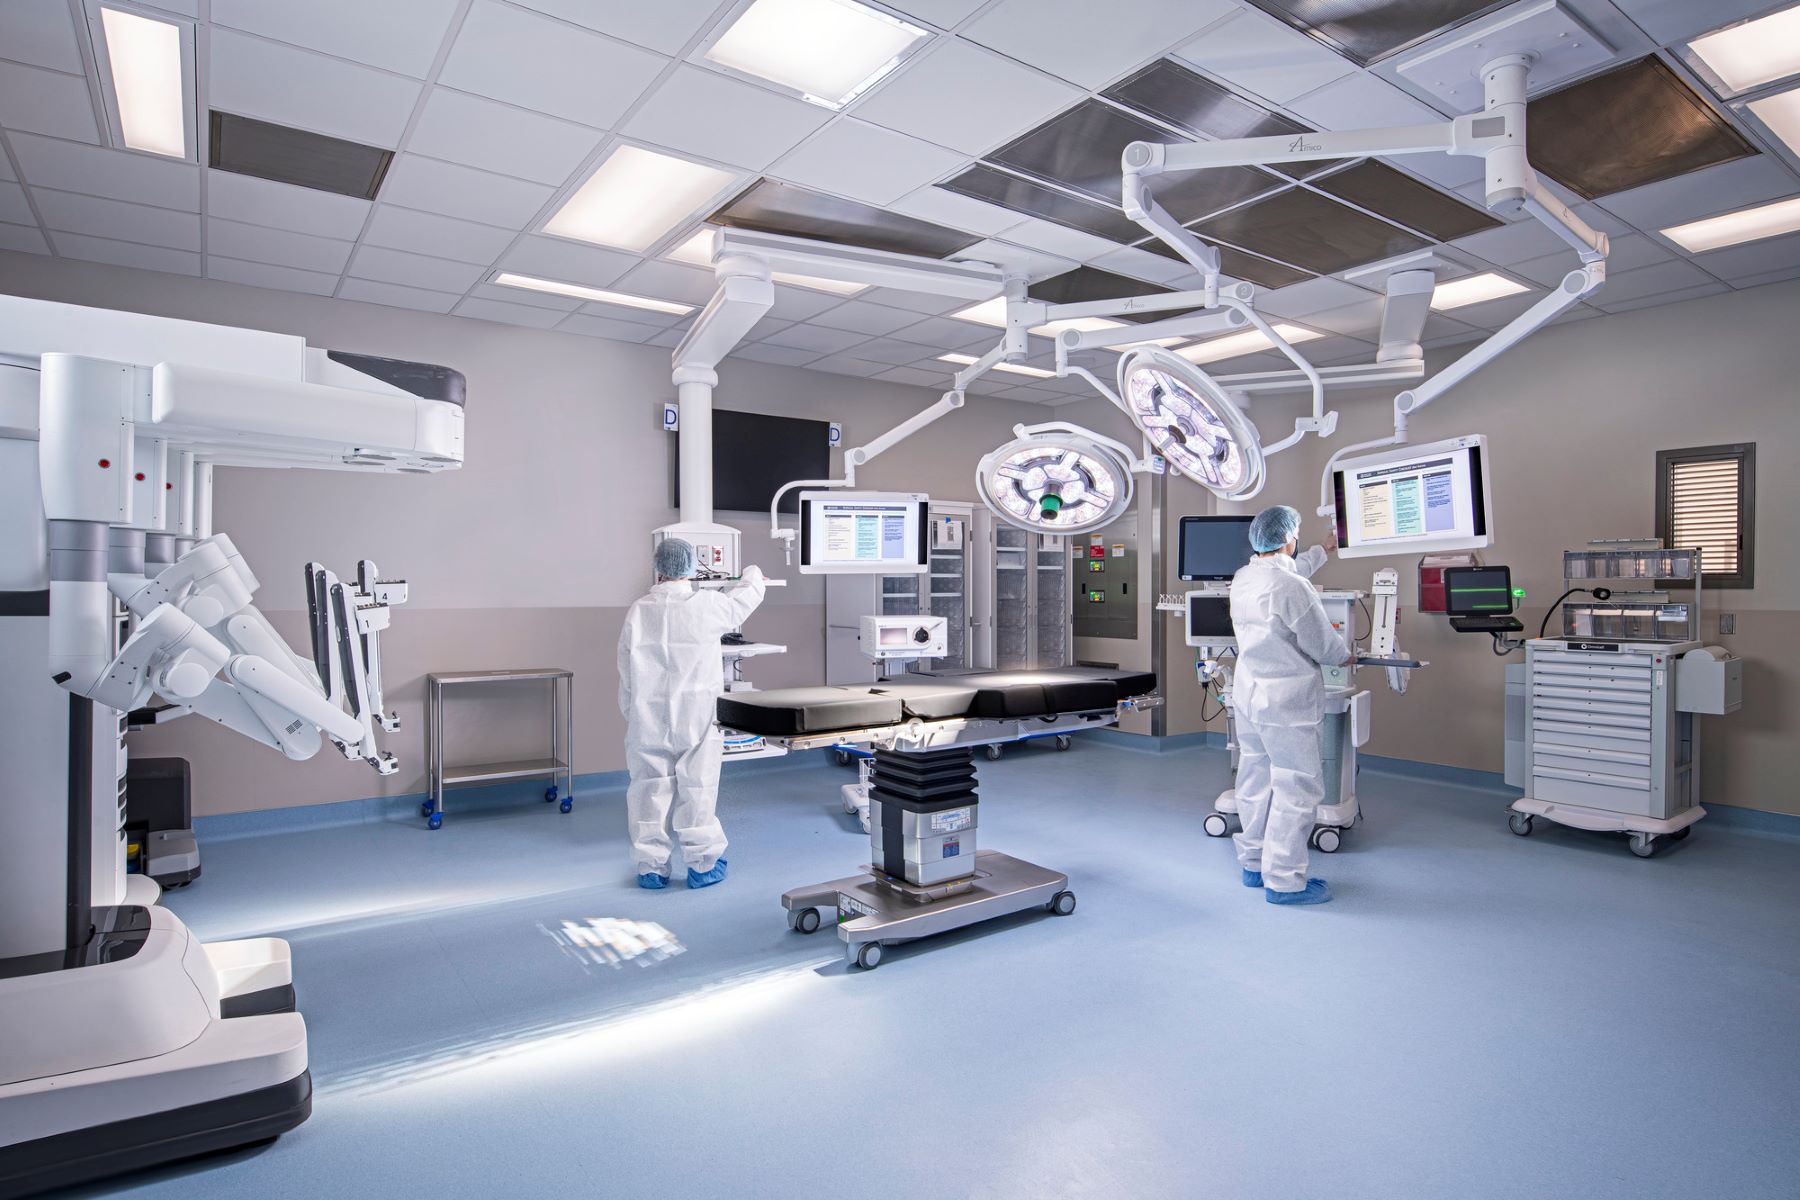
(1574, 418)
(527, 556)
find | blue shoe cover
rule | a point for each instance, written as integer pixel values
(1316, 891)
(651, 881)
(698, 879)
(1253, 879)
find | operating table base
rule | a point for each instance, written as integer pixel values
(876, 909)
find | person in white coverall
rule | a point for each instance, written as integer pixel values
(1278, 697)
(671, 674)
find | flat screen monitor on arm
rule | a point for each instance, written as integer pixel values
(864, 533)
(1413, 499)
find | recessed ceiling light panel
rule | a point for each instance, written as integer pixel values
(1473, 289)
(634, 198)
(827, 52)
(1754, 53)
(146, 80)
(557, 287)
(1780, 113)
(1250, 341)
(1191, 422)
(1734, 228)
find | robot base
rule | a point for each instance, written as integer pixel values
(1645, 831)
(875, 909)
(1328, 828)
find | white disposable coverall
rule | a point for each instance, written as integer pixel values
(671, 674)
(1278, 701)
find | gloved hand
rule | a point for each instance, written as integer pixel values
(752, 574)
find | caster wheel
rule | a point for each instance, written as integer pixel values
(1519, 823)
(1328, 840)
(1643, 845)
(1064, 741)
(1216, 825)
(805, 921)
(436, 821)
(568, 804)
(842, 756)
(425, 809)
(550, 796)
(993, 753)
(868, 955)
(1062, 904)
(1681, 834)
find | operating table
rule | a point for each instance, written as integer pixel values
(925, 875)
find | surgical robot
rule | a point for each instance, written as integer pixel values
(1346, 726)
(127, 1041)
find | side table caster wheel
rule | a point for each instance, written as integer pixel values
(1216, 825)
(436, 820)
(426, 808)
(1328, 840)
(867, 956)
(805, 920)
(1063, 903)
(1519, 823)
(549, 795)
(568, 804)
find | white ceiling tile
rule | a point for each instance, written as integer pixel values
(1628, 286)
(591, 325)
(26, 239)
(1087, 43)
(1437, 325)
(1601, 220)
(1361, 317)
(396, 296)
(47, 102)
(917, 303)
(1059, 240)
(669, 281)
(508, 314)
(428, 233)
(1678, 20)
(186, 8)
(533, 61)
(14, 207)
(1751, 259)
(413, 270)
(1728, 186)
(1022, 260)
(797, 303)
(1658, 299)
(945, 14)
(284, 206)
(397, 35)
(816, 338)
(668, 337)
(635, 316)
(859, 316)
(1314, 295)
(1751, 281)
(40, 32)
(458, 191)
(274, 82)
(266, 275)
(1627, 253)
(126, 254)
(514, 295)
(914, 376)
(887, 350)
(570, 262)
(845, 364)
(1518, 242)
(95, 171)
(782, 356)
(6, 171)
(701, 112)
(947, 334)
(74, 213)
(1361, 101)
(958, 95)
(663, 25)
(1141, 264)
(282, 247)
(940, 207)
(1264, 57)
(496, 137)
(866, 162)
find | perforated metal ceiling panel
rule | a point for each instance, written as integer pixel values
(1365, 30)
(1634, 125)
(1170, 92)
(1311, 231)
(772, 207)
(1406, 201)
(1037, 200)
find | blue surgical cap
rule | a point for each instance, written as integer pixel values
(675, 559)
(1274, 528)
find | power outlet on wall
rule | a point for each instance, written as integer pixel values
(1727, 623)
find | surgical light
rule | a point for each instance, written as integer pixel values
(697, 251)
(964, 360)
(1473, 289)
(598, 295)
(634, 198)
(1191, 422)
(144, 57)
(1236, 345)
(1781, 113)
(1754, 53)
(1062, 481)
(829, 51)
(1745, 225)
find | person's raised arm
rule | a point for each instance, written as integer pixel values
(742, 600)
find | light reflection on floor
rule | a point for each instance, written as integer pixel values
(614, 941)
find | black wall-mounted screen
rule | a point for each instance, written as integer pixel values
(754, 454)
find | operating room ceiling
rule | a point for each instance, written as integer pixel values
(472, 122)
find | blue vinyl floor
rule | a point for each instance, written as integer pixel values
(1477, 1015)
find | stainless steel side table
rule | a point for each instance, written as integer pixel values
(560, 763)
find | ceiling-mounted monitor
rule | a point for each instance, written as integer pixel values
(1411, 499)
(864, 533)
